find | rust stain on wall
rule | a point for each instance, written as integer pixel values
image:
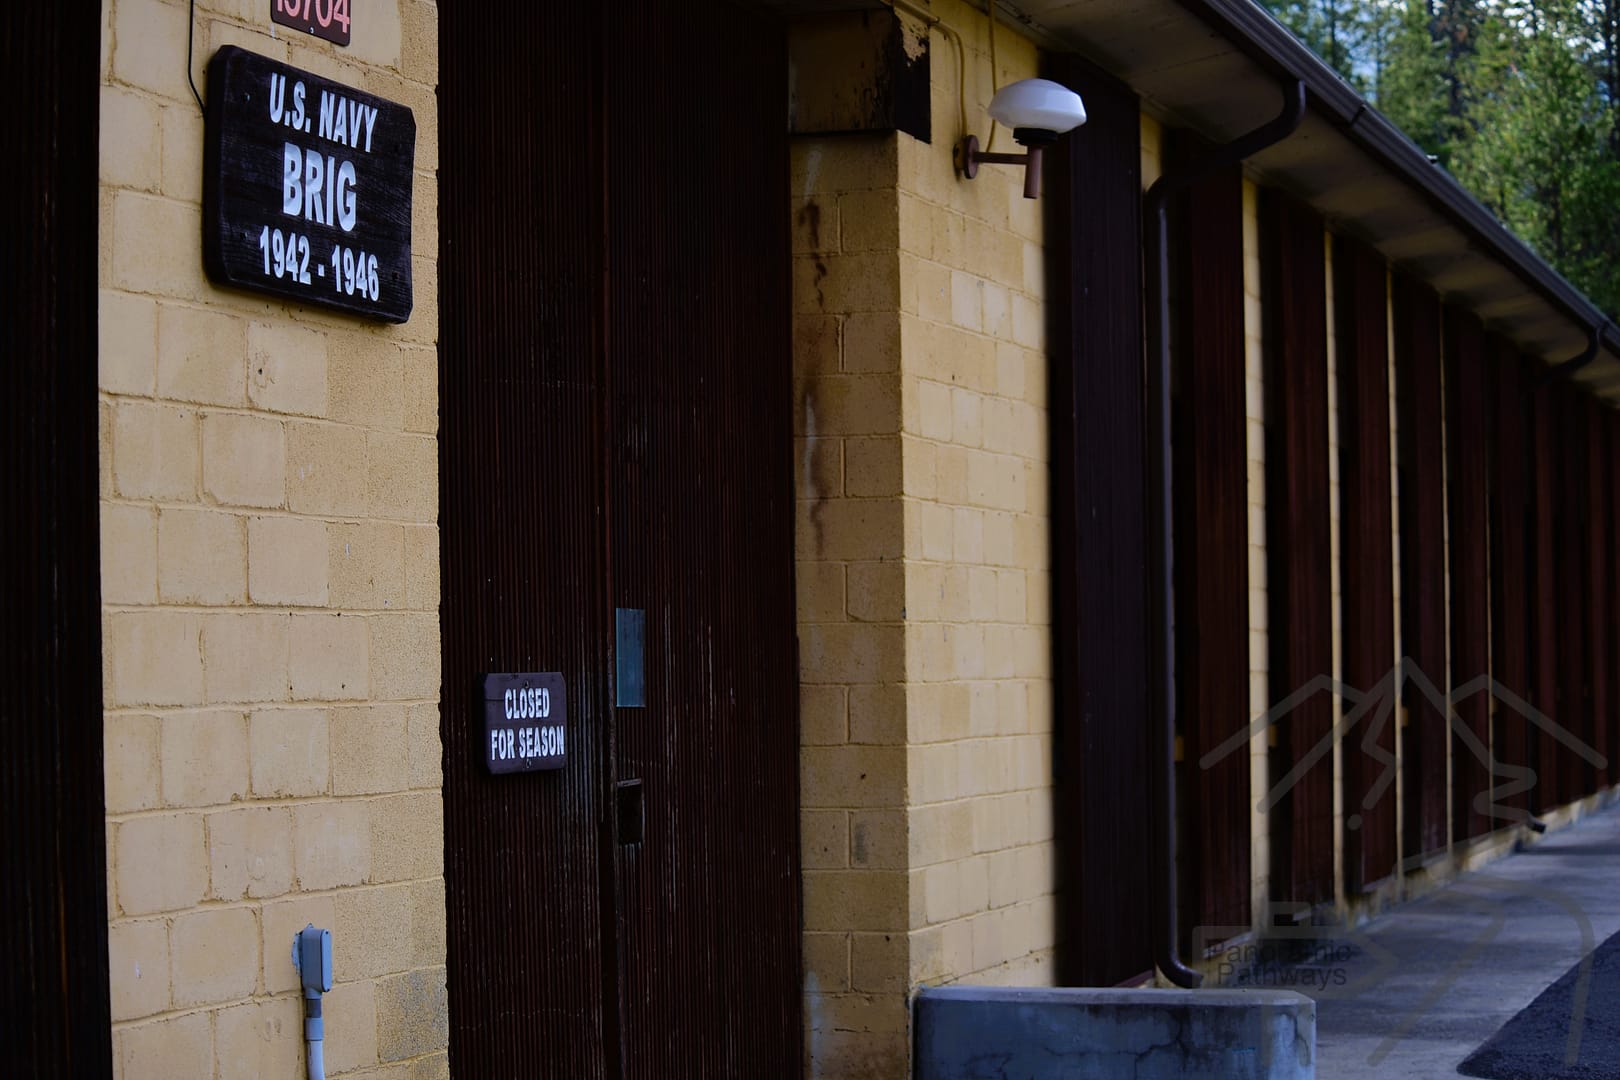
(810, 218)
(816, 484)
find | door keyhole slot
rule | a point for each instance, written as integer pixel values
(632, 813)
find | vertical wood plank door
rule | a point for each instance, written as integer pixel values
(615, 393)
(1299, 581)
(701, 539)
(1611, 426)
(1360, 288)
(53, 892)
(522, 404)
(1099, 521)
(1573, 569)
(1511, 574)
(1466, 476)
(1599, 557)
(1210, 538)
(1421, 442)
(1548, 792)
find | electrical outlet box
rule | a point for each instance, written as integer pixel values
(312, 956)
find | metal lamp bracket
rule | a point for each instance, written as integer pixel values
(971, 157)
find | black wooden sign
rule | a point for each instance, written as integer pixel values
(525, 721)
(307, 188)
(327, 19)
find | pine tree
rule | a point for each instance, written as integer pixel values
(1333, 29)
(1457, 25)
(1538, 150)
(1608, 65)
(1519, 98)
(1412, 87)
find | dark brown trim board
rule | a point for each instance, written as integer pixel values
(1367, 556)
(1574, 702)
(1209, 447)
(1467, 458)
(1298, 524)
(1511, 572)
(1544, 658)
(1420, 433)
(1099, 566)
(1599, 594)
(53, 892)
(1611, 424)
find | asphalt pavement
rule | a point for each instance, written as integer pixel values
(1444, 979)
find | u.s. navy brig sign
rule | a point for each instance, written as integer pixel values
(525, 721)
(307, 188)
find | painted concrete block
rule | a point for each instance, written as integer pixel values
(968, 1032)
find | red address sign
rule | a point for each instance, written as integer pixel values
(327, 19)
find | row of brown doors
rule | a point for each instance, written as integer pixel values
(616, 506)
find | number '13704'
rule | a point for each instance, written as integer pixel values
(325, 12)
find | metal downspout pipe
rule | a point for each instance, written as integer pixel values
(1575, 363)
(1161, 555)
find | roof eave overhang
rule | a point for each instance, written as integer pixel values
(1182, 56)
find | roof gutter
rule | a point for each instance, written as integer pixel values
(1161, 551)
(1270, 45)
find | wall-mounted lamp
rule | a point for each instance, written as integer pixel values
(1038, 111)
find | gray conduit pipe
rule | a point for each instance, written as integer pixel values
(312, 959)
(1161, 551)
(315, 1035)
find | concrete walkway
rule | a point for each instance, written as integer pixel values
(1415, 991)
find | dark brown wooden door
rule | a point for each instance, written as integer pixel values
(1099, 523)
(1574, 711)
(1611, 426)
(1361, 292)
(53, 892)
(523, 560)
(614, 383)
(1211, 539)
(701, 539)
(1298, 545)
(1512, 575)
(1419, 401)
(1599, 551)
(1467, 476)
(1548, 792)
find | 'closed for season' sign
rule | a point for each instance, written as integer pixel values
(525, 721)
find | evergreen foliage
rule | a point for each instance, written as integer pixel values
(1520, 99)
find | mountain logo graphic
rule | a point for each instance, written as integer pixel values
(1326, 946)
(1379, 703)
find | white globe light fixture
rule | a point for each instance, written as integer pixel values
(1038, 111)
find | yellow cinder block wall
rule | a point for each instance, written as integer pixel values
(270, 589)
(923, 567)
(978, 584)
(850, 585)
